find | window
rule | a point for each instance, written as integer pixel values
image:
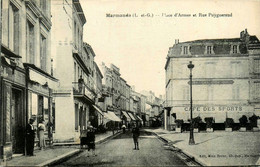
(185, 50)
(75, 72)
(75, 33)
(209, 49)
(210, 69)
(256, 65)
(43, 52)
(185, 93)
(210, 92)
(76, 117)
(234, 49)
(235, 69)
(13, 38)
(30, 42)
(235, 92)
(256, 90)
(43, 4)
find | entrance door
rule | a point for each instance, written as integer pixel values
(17, 122)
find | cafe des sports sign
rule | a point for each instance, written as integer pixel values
(236, 108)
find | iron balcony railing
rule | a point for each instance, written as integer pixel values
(84, 90)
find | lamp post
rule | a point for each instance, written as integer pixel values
(191, 141)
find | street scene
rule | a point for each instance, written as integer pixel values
(119, 152)
(129, 83)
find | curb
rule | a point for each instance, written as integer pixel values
(183, 151)
(74, 152)
(60, 158)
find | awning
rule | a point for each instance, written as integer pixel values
(126, 115)
(100, 112)
(131, 116)
(112, 116)
(40, 76)
(139, 118)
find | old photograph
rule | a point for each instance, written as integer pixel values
(129, 83)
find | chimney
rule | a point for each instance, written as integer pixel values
(176, 41)
(242, 35)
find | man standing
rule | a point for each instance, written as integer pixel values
(30, 134)
(136, 134)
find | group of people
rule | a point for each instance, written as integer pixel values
(87, 137)
(30, 136)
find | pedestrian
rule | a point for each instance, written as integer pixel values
(123, 127)
(91, 139)
(30, 135)
(136, 134)
(41, 129)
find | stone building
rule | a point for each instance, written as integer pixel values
(73, 65)
(225, 78)
(26, 79)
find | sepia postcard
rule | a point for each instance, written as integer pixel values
(130, 83)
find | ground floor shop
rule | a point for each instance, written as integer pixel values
(219, 112)
(23, 97)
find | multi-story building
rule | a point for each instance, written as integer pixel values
(26, 80)
(225, 78)
(99, 91)
(73, 65)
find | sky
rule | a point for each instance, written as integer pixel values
(139, 45)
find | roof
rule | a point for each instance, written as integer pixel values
(252, 39)
(79, 11)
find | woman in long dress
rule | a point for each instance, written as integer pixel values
(41, 129)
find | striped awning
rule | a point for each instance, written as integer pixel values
(131, 116)
(112, 116)
(100, 112)
(126, 115)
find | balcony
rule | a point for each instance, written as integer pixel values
(81, 90)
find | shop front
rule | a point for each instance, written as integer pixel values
(218, 112)
(13, 106)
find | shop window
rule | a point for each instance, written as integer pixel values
(53, 117)
(46, 110)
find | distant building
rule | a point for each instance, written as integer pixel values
(226, 81)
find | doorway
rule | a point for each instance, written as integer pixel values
(17, 123)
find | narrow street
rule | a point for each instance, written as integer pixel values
(119, 152)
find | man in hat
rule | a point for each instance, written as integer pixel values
(30, 135)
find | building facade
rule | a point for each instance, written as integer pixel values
(26, 79)
(74, 97)
(225, 78)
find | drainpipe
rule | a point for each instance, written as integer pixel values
(1, 101)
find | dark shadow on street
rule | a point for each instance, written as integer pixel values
(174, 142)
(207, 140)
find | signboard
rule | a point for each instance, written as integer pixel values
(215, 82)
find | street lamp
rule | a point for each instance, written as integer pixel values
(191, 141)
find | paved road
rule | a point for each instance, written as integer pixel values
(119, 152)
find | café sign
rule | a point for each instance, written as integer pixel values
(215, 108)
